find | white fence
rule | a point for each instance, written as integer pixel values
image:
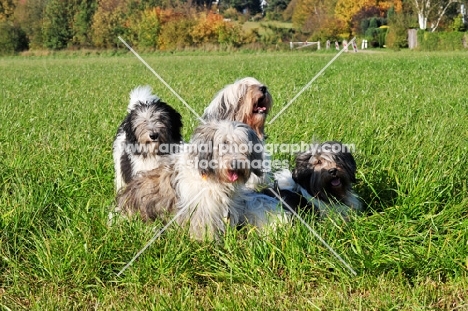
(300, 45)
(305, 44)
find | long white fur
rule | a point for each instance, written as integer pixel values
(229, 95)
(214, 206)
(220, 204)
(141, 94)
(117, 150)
(211, 203)
(262, 211)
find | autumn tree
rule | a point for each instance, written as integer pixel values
(361, 20)
(309, 15)
(108, 23)
(289, 11)
(398, 31)
(12, 36)
(7, 8)
(346, 9)
(29, 15)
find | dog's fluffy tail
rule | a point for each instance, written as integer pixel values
(141, 94)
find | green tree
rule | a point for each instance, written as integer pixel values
(275, 8)
(145, 28)
(252, 6)
(12, 38)
(82, 20)
(57, 32)
(458, 24)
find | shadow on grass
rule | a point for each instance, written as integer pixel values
(378, 192)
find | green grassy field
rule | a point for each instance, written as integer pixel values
(405, 112)
(258, 25)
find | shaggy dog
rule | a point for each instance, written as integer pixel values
(203, 185)
(246, 100)
(151, 129)
(321, 181)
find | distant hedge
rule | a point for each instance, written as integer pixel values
(441, 41)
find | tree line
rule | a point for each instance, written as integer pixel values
(176, 24)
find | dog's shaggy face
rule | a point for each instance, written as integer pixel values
(327, 173)
(151, 128)
(247, 100)
(150, 125)
(227, 151)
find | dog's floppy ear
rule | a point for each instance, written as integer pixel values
(202, 148)
(176, 121)
(348, 163)
(344, 158)
(225, 104)
(302, 172)
(128, 129)
(224, 110)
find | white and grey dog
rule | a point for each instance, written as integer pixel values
(203, 184)
(247, 100)
(321, 181)
(151, 128)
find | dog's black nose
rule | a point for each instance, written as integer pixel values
(332, 171)
(154, 136)
(263, 89)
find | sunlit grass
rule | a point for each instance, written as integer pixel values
(406, 114)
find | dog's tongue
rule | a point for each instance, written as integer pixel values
(335, 182)
(260, 109)
(233, 176)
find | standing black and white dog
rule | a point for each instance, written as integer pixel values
(151, 129)
(321, 181)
